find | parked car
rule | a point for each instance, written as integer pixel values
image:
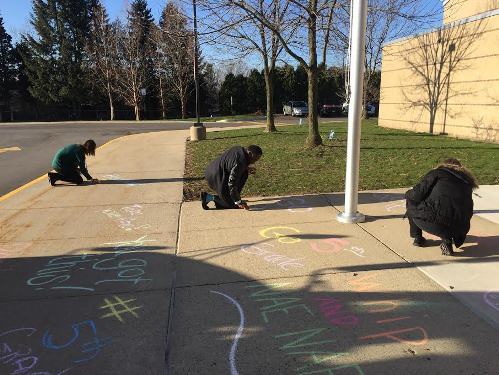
(370, 109)
(295, 108)
(330, 109)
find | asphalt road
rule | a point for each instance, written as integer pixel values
(38, 142)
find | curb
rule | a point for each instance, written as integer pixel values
(43, 176)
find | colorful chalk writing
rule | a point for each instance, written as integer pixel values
(312, 344)
(240, 329)
(89, 349)
(271, 256)
(414, 335)
(123, 247)
(126, 216)
(335, 245)
(277, 232)
(118, 307)
(492, 299)
(16, 359)
(294, 204)
(59, 272)
(333, 310)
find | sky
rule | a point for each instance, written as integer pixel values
(16, 13)
(16, 16)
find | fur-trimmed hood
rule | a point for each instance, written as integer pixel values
(460, 172)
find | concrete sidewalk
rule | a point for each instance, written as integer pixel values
(122, 278)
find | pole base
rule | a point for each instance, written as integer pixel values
(350, 219)
(198, 132)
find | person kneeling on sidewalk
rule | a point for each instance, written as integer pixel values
(227, 175)
(69, 162)
(441, 204)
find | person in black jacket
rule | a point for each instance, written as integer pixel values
(441, 204)
(227, 175)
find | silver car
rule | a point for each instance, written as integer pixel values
(295, 108)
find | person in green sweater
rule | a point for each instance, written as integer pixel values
(69, 162)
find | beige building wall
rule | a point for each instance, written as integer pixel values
(459, 9)
(472, 101)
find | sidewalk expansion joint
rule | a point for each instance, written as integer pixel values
(91, 205)
(93, 294)
(367, 269)
(168, 340)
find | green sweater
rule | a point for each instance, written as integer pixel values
(71, 157)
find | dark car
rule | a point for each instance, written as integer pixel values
(330, 109)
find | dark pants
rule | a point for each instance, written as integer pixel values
(223, 200)
(67, 175)
(417, 226)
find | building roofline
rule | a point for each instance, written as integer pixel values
(490, 13)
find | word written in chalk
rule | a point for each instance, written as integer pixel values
(283, 262)
(413, 335)
(294, 204)
(333, 311)
(62, 273)
(126, 216)
(335, 245)
(282, 234)
(311, 346)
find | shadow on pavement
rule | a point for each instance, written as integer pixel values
(114, 313)
(306, 202)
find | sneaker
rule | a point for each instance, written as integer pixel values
(204, 204)
(51, 180)
(419, 241)
(446, 248)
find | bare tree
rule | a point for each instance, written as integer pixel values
(305, 17)
(175, 49)
(386, 20)
(101, 49)
(433, 59)
(242, 34)
(135, 50)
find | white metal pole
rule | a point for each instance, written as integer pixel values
(358, 29)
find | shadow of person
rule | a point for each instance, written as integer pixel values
(479, 247)
(302, 203)
(90, 312)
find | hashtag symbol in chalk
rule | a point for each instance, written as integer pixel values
(119, 307)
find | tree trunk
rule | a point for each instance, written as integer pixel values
(163, 108)
(183, 104)
(269, 92)
(432, 119)
(314, 137)
(110, 96)
(136, 105)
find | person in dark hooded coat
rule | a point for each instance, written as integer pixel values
(227, 175)
(441, 204)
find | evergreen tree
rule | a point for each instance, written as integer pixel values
(57, 51)
(7, 68)
(134, 70)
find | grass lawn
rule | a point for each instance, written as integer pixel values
(248, 117)
(389, 159)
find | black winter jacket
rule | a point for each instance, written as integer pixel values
(443, 197)
(226, 173)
